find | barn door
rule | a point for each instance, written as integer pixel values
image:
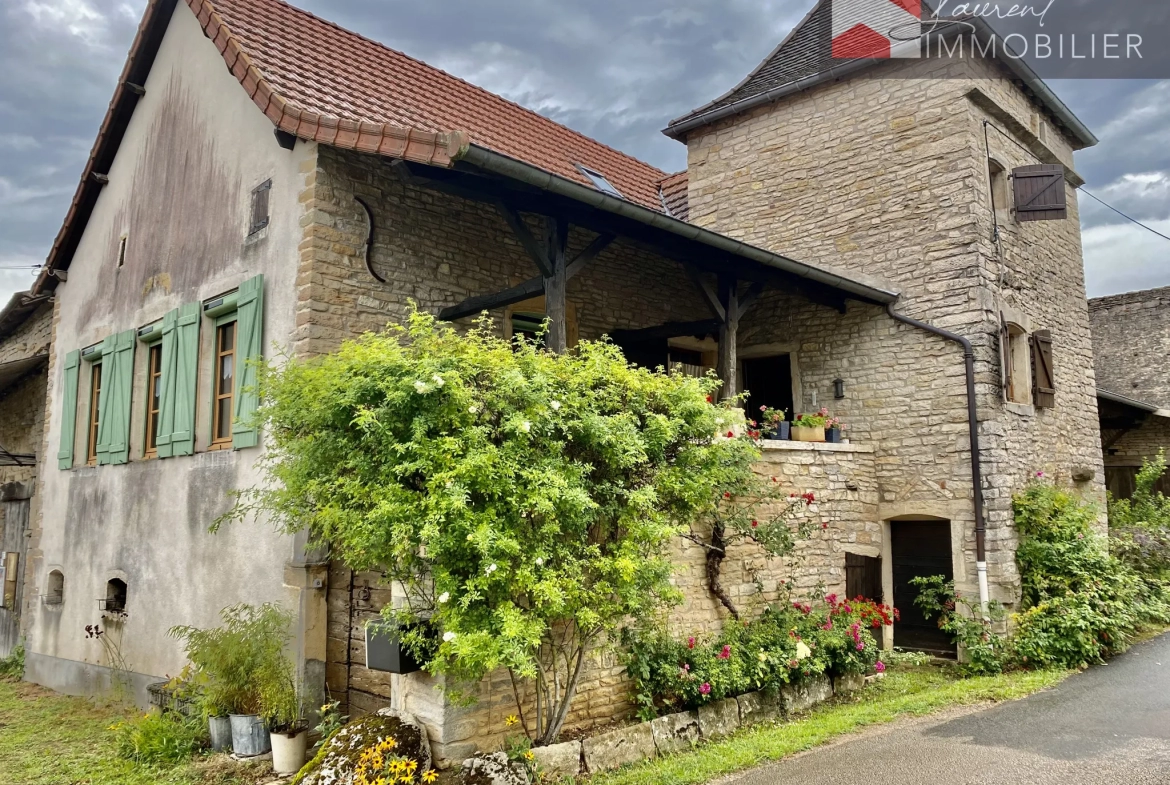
(919, 549)
(13, 526)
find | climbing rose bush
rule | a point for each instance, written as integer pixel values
(524, 501)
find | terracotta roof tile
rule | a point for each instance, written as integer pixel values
(320, 70)
(674, 195)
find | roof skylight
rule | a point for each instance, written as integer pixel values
(599, 181)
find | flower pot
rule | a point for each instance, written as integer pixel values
(803, 434)
(249, 736)
(833, 435)
(221, 733)
(782, 432)
(385, 652)
(288, 751)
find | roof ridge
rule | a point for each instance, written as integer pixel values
(472, 85)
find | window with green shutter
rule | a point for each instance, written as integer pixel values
(69, 409)
(179, 371)
(249, 349)
(113, 444)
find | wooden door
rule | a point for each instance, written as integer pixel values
(919, 549)
(863, 577)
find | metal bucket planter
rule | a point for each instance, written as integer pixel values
(249, 736)
(803, 434)
(782, 432)
(221, 733)
(288, 751)
(833, 435)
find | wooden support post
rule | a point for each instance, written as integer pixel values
(556, 236)
(729, 301)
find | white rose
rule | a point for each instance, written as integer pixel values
(448, 636)
(491, 568)
(438, 380)
(539, 561)
(556, 405)
(444, 596)
(803, 652)
(473, 408)
(421, 386)
(526, 426)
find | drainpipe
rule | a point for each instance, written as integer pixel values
(973, 429)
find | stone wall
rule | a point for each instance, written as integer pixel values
(1131, 342)
(888, 177)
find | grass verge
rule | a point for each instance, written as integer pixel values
(908, 691)
(52, 739)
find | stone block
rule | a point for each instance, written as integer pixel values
(757, 707)
(618, 748)
(675, 732)
(850, 682)
(719, 718)
(492, 769)
(804, 696)
(557, 761)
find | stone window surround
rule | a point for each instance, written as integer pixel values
(1023, 365)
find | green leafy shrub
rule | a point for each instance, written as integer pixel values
(12, 666)
(1079, 602)
(788, 644)
(159, 738)
(1139, 527)
(985, 651)
(238, 666)
(525, 501)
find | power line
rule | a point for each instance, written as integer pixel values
(1123, 215)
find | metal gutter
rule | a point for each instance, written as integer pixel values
(503, 165)
(1133, 402)
(973, 433)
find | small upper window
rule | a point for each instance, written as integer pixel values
(95, 396)
(1000, 195)
(260, 207)
(122, 250)
(225, 356)
(153, 398)
(1017, 365)
(599, 181)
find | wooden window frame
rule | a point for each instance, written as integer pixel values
(153, 378)
(93, 421)
(222, 442)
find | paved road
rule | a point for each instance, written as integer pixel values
(1108, 725)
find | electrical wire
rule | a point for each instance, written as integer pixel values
(1123, 215)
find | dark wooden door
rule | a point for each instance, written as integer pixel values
(768, 381)
(863, 577)
(919, 549)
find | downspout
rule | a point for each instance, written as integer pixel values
(973, 429)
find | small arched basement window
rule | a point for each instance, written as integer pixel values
(55, 594)
(115, 596)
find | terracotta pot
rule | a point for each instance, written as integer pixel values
(803, 434)
(288, 751)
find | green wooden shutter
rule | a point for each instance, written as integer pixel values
(114, 399)
(69, 410)
(249, 348)
(166, 382)
(180, 370)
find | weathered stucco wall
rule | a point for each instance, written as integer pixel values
(179, 191)
(888, 177)
(1131, 342)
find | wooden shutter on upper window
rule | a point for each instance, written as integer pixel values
(1043, 379)
(69, 410)
(249, 348)
(259, 218)
(1039, 192)
(180, 366)
(114, 399)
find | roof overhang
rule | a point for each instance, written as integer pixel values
(1132, 403)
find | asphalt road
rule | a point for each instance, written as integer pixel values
(1107, 725)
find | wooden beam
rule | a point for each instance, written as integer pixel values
(664, 331)
(588, 254)
(709, 294)
(520, 229)
(729, 300)
(751, 296)
(556, 237)
(533, 287)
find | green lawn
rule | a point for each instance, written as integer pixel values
(51, 739)
(905, 692)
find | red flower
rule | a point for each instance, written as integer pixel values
(809, 498)
(725, 654)
(709, 399)
(755, 524)
(727, 494)
(824, 525)
(730, 434)
(690, 643)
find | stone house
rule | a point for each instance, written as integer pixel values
(25, 332)
(267, 182)
(1131, 339)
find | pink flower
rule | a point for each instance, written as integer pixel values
(690, 643)
(687, 667)
(879, 667)
(704, 689)
(725, 654)
(827, 625)
(860, 646)
(1039, 474)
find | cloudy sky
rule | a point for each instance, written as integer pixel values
(613, 69)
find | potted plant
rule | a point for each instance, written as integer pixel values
(834, 429)
(773, 424)
(283, 714)
(810, 427)
(229, 662)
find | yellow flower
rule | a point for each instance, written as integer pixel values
(411, 765)
(530, 755)
(429, 776)
(511, 720)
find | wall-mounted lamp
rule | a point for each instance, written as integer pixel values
(838, 388)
